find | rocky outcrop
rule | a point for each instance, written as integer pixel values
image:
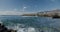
(5, 29)
(45, 13)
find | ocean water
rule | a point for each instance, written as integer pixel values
(31, 23)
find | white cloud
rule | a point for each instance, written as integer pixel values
(10, 13)
(25, 7)
(13, 12)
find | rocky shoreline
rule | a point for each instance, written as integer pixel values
(5, 29)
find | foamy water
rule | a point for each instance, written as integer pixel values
(19, 28)
(30, 24)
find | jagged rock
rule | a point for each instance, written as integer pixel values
(5, 29)
(11, 30)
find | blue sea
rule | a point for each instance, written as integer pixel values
(30, 23)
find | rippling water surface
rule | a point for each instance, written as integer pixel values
(31, 24)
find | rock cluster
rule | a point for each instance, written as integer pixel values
(5, 29)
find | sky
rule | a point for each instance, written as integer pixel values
(16, 6)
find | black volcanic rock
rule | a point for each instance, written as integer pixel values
(5, 29)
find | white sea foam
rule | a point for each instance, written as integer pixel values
(1, 22)
(19, 28)
(30, 29)
(25, 29)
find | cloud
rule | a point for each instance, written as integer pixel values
(13, 12)
(10, 13)
(24, 7)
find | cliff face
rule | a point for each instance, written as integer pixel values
(49, 13)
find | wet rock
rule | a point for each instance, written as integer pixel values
(11, 30)
(42, 31)
(5, 29)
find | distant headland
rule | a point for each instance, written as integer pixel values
(45, 13)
